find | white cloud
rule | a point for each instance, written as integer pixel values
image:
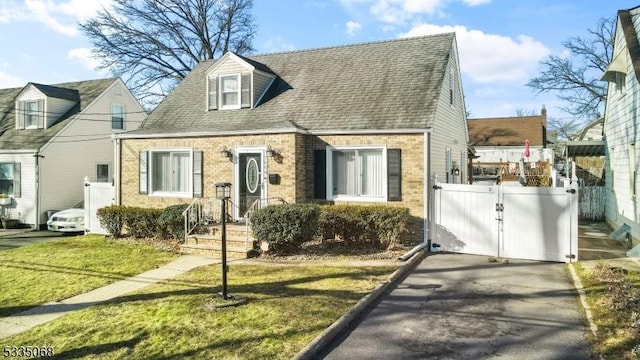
(276, 44)
(476, 2)
(84, 57)
(353, 27)
(487, 58)
(399, 11)
(10, 81)
(60, 16)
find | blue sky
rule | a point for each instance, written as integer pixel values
(500, 42)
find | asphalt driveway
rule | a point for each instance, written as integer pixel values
(25, 237)
(454, 306)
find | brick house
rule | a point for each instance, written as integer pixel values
(366, 123)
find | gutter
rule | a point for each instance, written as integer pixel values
(268, 131)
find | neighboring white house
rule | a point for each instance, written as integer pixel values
(621, 129)
(53, 136)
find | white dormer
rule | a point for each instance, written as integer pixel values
(40, 106)
(235, 83)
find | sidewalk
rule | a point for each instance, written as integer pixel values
(28, 319)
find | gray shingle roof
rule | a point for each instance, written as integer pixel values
(375, 86)
(12, 139)
(57, 92)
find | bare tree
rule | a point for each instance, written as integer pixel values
(564, 127)
(153, 44)
(520, 112)
(576, 78)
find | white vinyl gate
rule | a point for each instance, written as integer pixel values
(96, 195)
(536, 223)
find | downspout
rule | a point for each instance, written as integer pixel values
(426, 206)
(37, 157)
(117, 176)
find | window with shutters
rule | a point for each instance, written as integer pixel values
(170, 172)
(10, 179)
(31, 114)
(357, 173)
(229, 91)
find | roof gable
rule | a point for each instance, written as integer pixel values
(507, 131)
(388, 85)
(12, 139)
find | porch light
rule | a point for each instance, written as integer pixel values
(455, 170)
(271, 152)
(223, 190)
(226, 153)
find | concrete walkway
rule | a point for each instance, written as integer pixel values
(28, 319)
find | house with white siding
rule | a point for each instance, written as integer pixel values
(364, 123)
(53, 136)
(621, 126)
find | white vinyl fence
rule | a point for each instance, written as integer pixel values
(537, 223)
(96, 195)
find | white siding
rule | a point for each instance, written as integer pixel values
(260, 84)
(55, 108)
(622, 134)
(230, 66)
(23, 208)
(77, 149)
(450, 125)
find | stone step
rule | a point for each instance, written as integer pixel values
(232, 230)
(213, 251)
(234, 241)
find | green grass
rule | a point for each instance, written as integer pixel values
(287, 307)
(36, 274)
(616, 337)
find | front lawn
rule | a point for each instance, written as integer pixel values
(287, 307)
(36, 274)
(613, 295)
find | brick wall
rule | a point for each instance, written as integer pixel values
(294, 165)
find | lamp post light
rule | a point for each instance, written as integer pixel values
(223, 192)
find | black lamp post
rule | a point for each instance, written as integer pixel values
(223, 192)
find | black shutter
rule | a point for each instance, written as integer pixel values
(144, 178)
(197, 174)
(320, 174)
(394, 174)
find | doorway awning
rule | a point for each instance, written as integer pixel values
(618, 65)
(584, 148)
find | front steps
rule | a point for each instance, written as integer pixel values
(209, 242)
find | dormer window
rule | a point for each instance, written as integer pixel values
(230, 94)
(30, 114)
(232, 91)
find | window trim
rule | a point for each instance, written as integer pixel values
(176, 194)
(108, 172)
(329, 174)
(112, 116)
(221, 92)
(28, 114)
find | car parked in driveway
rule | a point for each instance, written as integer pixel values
(68, 221)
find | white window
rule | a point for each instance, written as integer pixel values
(103, 173)
(171, 172)
(357, 174)
(230, 91)
(621, 79)
(10, 178)
(117, 117)
(32, 114)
